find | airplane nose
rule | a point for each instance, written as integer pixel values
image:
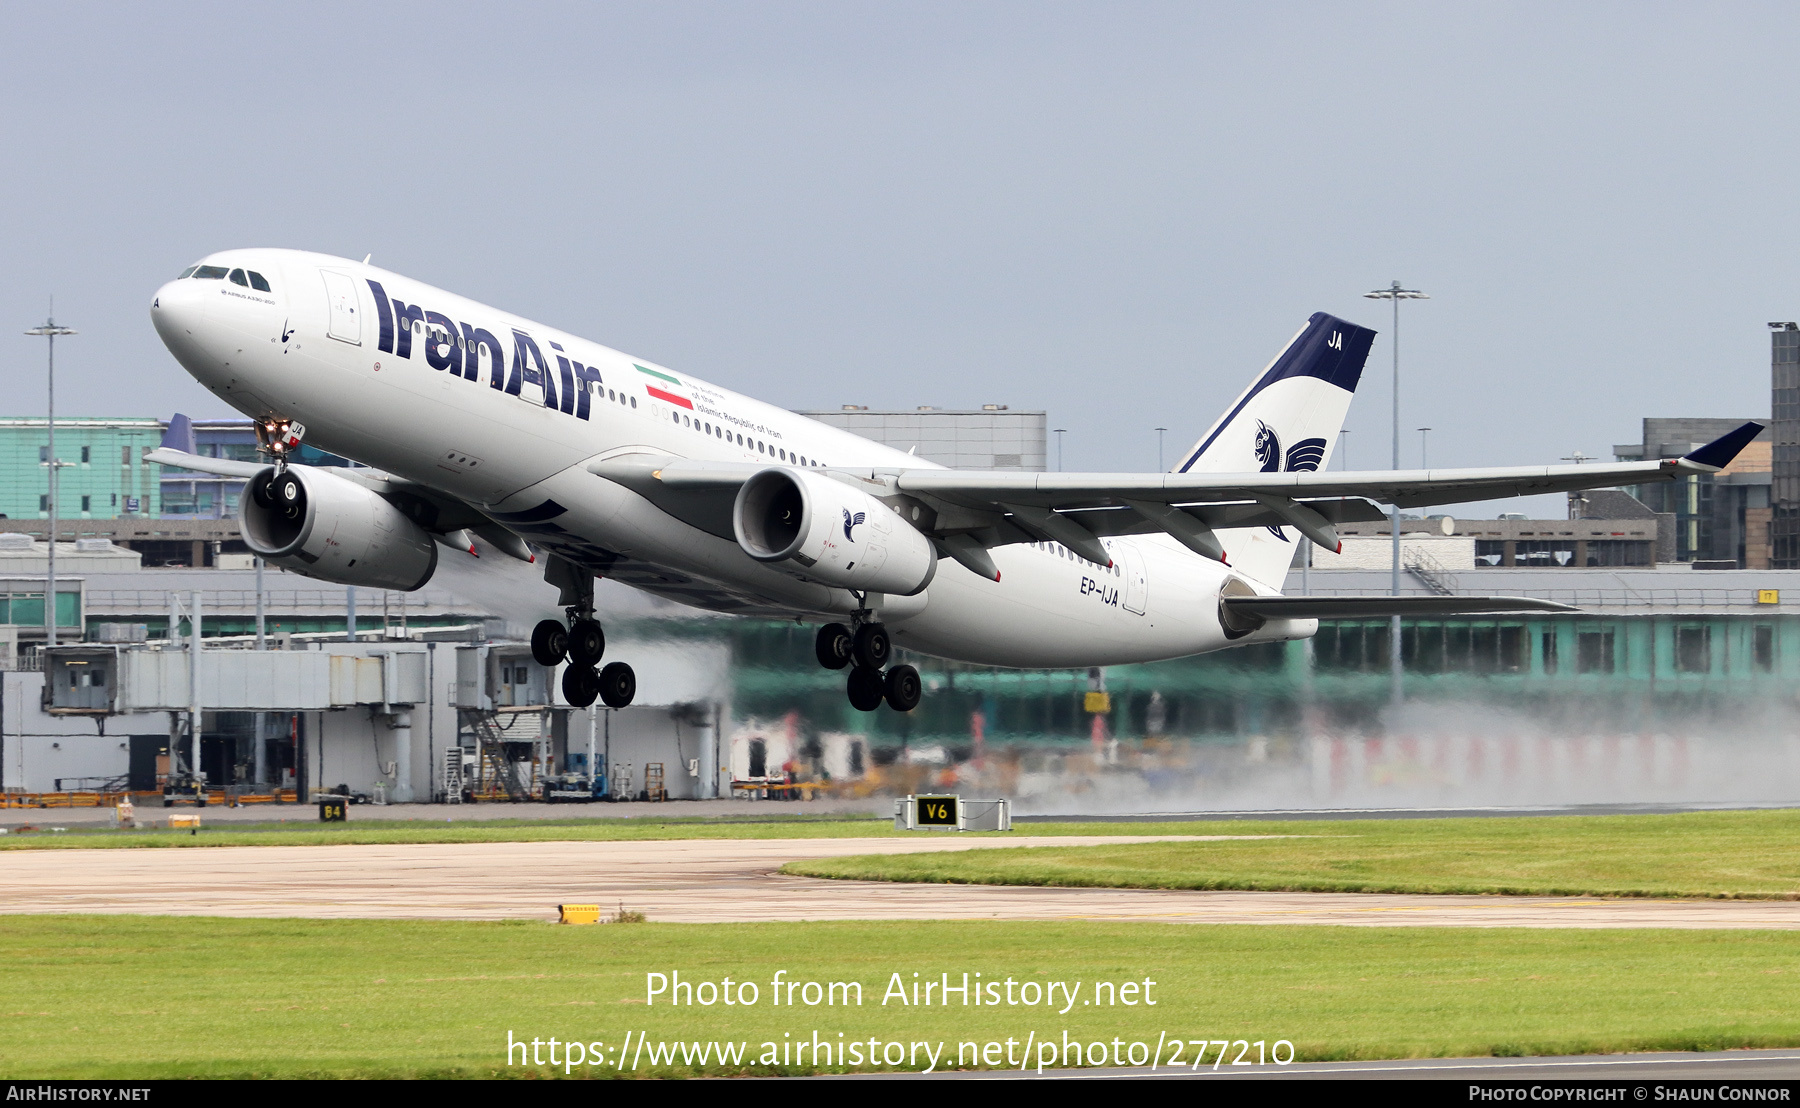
(176, 308)
(178, 311)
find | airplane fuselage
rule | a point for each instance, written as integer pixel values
(506, 413)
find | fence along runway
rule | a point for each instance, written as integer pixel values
(729, 881)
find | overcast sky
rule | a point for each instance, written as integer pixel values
(1116, 212)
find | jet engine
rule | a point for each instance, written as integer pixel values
(326, 527)
(824, 530)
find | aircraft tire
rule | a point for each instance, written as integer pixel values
(580, 685)
(587, 642)
(263, 492)
(902, 688)
(618, 685)
(290, 497)
(549, 642)
(832, 647)
(864, 689)
(871, 648)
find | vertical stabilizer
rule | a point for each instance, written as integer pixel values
(1286, 421)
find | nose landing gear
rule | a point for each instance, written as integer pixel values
(867, 652)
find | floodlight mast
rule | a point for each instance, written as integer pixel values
(1395, 293)
(50, 330)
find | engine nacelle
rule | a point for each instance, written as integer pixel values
(325, 527)
(826, 531)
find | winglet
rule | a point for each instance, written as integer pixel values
(1718, 453)
(180, 435)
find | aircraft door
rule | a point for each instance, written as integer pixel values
(344, 322)
(1137, 581)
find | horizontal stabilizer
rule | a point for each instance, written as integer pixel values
(1376, 607)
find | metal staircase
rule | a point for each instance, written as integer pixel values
(453, 775)
(496, 775)
(1428, 571)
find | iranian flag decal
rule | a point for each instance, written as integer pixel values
(665, 395)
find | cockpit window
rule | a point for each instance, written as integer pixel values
(188, 272)
(259, 282)
(238, 278)
(209, 273)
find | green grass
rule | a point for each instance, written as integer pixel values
(304, 831)
(146, 997)
(1754, 854)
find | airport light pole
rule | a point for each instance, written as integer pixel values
(50, 331)
(1059, 432)
(1424, 456)
(1395, 293)
(1159, 448)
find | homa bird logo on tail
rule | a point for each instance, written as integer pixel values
(1302, 457)
(851, 521)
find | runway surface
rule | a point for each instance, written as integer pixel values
(718, 881)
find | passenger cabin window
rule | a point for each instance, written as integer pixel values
(259, 282)
(209, 273)
(238, 278)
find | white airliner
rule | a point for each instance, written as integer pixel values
(554, 449)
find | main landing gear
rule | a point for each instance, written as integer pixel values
(866, 651)
(583, 643)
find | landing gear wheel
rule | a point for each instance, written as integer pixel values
(290, 496)
(871, 647)
(549, 642)
(864, 687)
(618, 684)
(902, 688)
(586, 642)
(262, 490)
(580, 685)
(832, 647)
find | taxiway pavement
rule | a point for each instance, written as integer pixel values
(735, 880)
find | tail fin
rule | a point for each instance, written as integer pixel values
(1287, 420)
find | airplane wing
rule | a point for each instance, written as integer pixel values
(976, 510)
(1402, 488)
(222, 467)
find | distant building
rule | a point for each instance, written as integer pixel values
(1784, 485)
(1718, 518)
(1629, 538)
(103, 473)
(992, 437)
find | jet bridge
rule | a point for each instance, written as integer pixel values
(107, 680)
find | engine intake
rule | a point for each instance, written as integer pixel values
(330, 529)
(823, 530)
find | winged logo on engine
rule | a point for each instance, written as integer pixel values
(851, 521)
